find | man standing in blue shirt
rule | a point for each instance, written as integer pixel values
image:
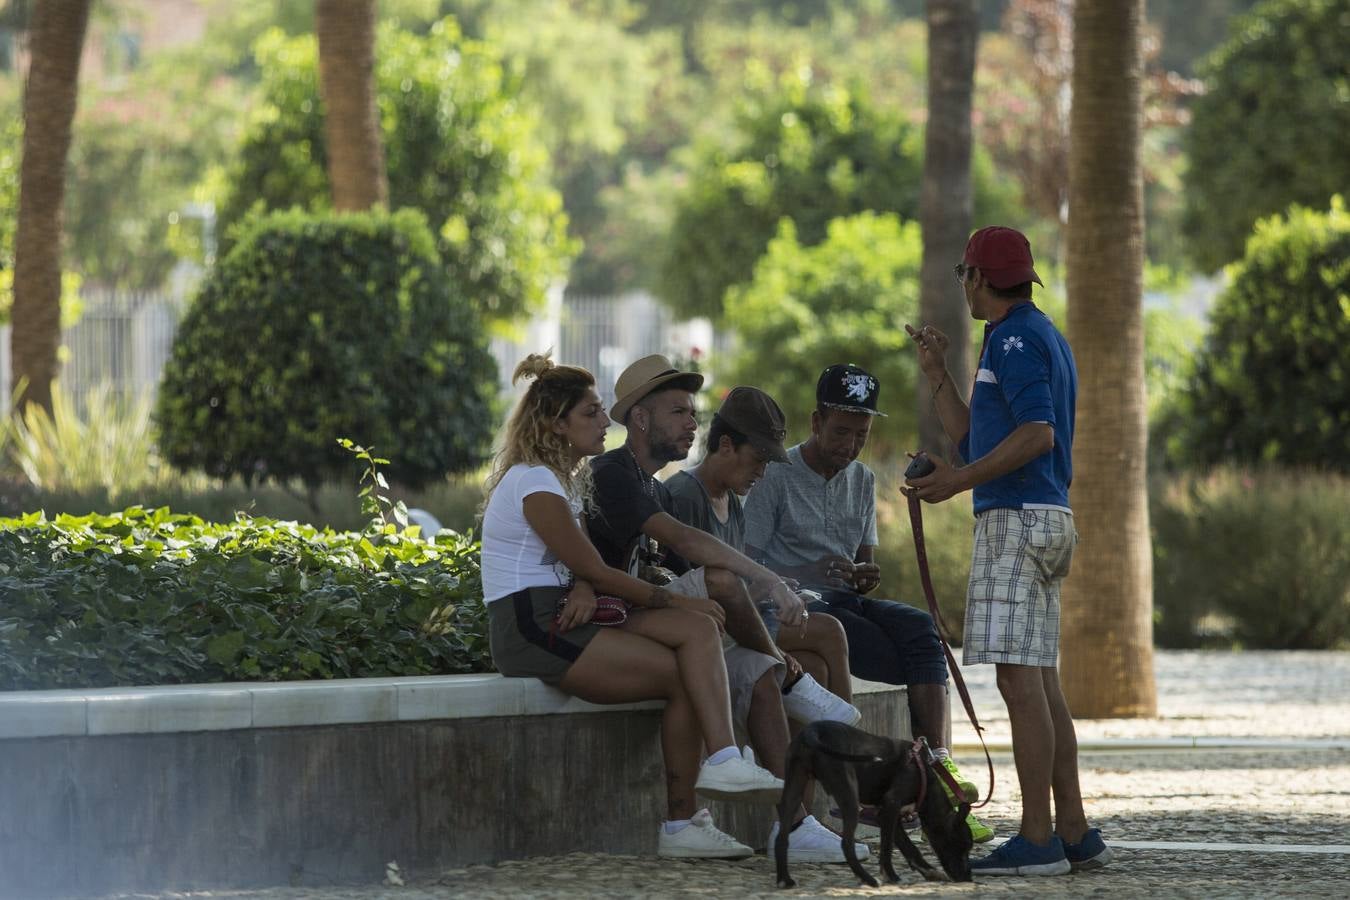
(1017, 438)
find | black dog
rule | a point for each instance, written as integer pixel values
(854, 766)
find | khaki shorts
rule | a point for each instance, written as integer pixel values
(744, 667)
(1012, 604)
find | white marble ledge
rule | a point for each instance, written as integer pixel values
(221, 707)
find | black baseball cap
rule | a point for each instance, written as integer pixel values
(848, 388)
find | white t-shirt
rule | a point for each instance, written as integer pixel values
(514, 558)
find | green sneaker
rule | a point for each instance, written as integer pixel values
(972, 793)
(979, 831)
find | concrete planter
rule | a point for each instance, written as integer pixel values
(242, 785)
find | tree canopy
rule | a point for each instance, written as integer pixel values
(458, 144)
(1271, 128)
(846, 299)
(808, 154)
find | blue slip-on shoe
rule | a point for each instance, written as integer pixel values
(1019, 856)
(1090, 852)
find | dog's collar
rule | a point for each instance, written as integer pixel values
(922, 755)
(925, 759)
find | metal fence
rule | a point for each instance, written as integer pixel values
(604, 335)
(124, 339)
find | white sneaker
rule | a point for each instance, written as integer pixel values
(700, 839)
(812, 842)
(738, 778)
(808, 702)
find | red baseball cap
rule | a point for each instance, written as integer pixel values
(1003, 255)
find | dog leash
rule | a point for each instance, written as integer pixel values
(916, 523)
(922, 755)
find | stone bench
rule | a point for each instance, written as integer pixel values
(242, 785)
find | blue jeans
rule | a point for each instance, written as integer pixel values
(890, 642)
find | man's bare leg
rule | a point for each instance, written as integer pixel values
(823, 636)
(1033, 739)
(928, 712)
(1070, 819)
(768, 729)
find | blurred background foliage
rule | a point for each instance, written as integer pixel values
(1271, 381)
(459, 146)
(844, 299)
(1271, 128)
(756, 161)
(807, 155)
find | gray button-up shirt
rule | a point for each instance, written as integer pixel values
(796, 517)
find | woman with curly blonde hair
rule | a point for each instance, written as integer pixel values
(536, 559)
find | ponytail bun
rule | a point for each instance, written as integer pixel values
(533, 366)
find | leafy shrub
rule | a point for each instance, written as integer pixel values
(319, 326)
(1269, 550)
(844, 300)
(149, 597)
(107, 446)
(1272, 381)
(1270, 128)
(458, 146)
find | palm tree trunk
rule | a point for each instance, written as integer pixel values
(1108, 599)
(945, 203)
(346, 30)
(56, 37)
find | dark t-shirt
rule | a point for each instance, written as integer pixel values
(694, 508)
(625, 498)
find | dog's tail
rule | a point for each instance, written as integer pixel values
(812, 741)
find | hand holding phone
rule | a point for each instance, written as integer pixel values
(919, 466)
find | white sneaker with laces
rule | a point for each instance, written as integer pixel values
(812, 842)
(808, 702)
(700, 839)
(738, 778)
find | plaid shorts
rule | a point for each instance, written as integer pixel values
(1012, 604)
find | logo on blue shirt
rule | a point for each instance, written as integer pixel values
(1010, 342)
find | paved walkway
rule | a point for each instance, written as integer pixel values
(1259, 820)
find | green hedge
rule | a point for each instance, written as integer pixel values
(146, 597)
(316, 326)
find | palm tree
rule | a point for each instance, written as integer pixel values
(1108, 599)
(945, 204)
(346, 30)
(55, 39)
